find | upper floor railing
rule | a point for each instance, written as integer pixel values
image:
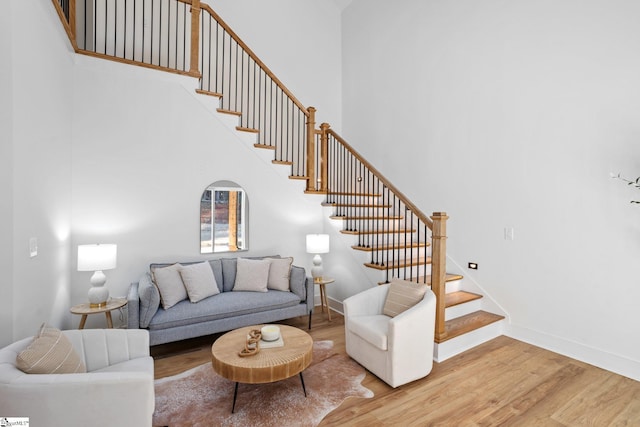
(188, 37)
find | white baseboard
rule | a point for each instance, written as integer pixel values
(611, 362)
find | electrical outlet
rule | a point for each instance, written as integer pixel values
(473, 266)
(33, 247)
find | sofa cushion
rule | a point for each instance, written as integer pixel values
(252, 275)
(372, 328)
(149, 299)
(50, 352)
(228, 273)
(199, 281)
(170, 285)
(402, 295)
(279, 273)
(216, 266)
(223, 305)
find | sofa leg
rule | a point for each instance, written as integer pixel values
(310, 313)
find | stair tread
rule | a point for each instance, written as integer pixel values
(266, 147)
(250, 130)
(389, 247)
(468, 323)
(427, 279)
(209, 93)
(400, 263)
(459, 297)
(231, 112)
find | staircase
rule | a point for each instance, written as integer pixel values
(393, 237)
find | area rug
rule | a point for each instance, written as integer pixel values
(200, 397)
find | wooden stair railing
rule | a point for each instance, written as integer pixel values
(387, 224)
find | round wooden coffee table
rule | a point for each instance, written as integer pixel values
(268, 365)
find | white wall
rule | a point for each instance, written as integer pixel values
(6, 176)
(126, 153)
(512, 115)
(40, 154)
(142, 156)
(300, 41)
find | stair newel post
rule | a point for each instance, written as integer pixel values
(195, 37)
(324, 157)
(311, 150)
(438, 268)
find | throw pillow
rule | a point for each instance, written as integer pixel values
(50, 352)
(199, 281)
(252, 275)
(170, 285)
(279, 274)
(402, 295)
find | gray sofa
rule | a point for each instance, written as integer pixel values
(219, 313)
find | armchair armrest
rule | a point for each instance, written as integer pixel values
(101, 348)
(133, 307)
(366, 303)
(310, 293)
(405, 339)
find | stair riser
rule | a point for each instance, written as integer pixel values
(355, 200)
(462, 309)
(407, 272)
(361, 211)
(448, 349)
(373, 224)
(397, 254)
(385, 239)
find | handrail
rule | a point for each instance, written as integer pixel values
(253, 56)
(67, 21)
(424, 218)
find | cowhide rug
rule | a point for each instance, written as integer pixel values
(200, 397)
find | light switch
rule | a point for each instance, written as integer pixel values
(33, 247)
(508, 233)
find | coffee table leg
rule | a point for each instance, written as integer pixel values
(303, 387)
(235, 394)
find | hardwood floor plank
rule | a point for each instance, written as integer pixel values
(532, 396)
(503, 382)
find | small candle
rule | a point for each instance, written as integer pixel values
(270, 332)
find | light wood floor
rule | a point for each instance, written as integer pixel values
(501, 383)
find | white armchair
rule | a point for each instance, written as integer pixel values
(396, 349)
(117, 389)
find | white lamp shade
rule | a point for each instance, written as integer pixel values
(317, 243)
(97, 257)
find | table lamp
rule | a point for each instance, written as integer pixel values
(97, 257)
(317, 244)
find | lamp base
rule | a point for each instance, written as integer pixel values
(316, 270)
(98, 293)
(99, 305)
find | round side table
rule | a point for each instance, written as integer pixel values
(84, 309)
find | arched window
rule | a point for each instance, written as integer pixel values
(223, 218)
